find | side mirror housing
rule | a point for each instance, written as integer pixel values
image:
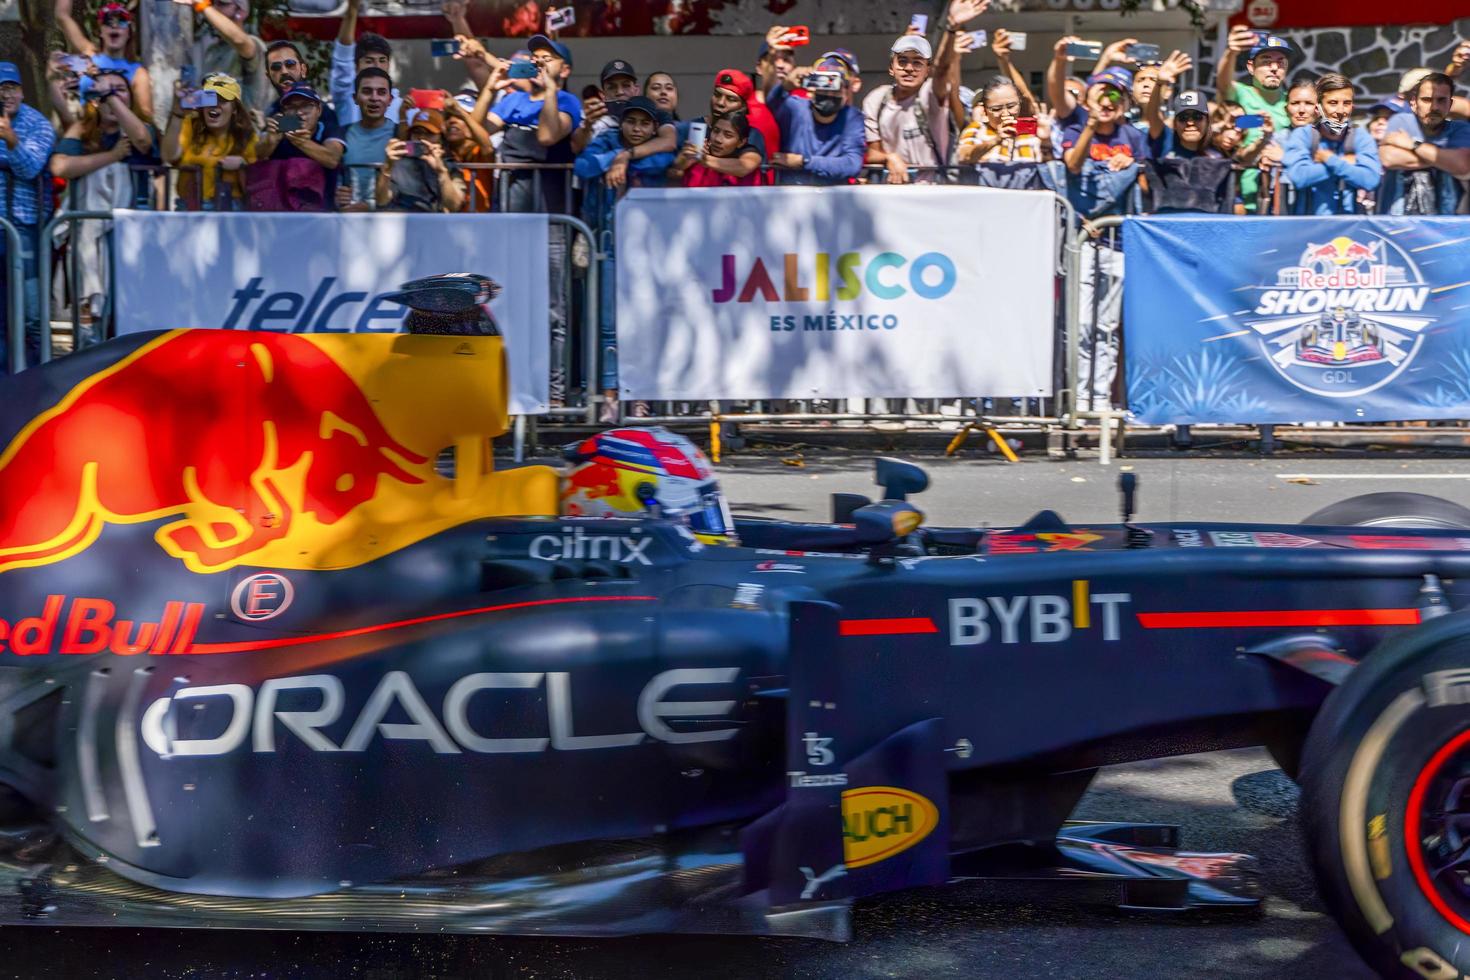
(899, 478)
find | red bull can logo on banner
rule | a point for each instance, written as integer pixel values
(1342, 320)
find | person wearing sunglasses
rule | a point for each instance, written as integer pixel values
(115, 50)
(286, 68)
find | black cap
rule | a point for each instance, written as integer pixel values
(1191, 101)
(617, 67)
(642, 103)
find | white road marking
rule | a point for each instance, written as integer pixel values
(1373, 476)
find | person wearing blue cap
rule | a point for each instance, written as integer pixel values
(26, 139)
(1267, 60)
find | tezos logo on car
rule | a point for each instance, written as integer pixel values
(1342, 319)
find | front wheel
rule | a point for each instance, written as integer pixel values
(1394, 510)
(1386, 803)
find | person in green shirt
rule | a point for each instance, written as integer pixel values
(1267, 59)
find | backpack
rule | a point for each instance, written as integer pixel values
(922, 115)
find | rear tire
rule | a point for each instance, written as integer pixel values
(1383, 773)
(1394, 510)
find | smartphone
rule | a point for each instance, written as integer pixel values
(920, 21)
(189, 76)
(523, 69)
(824, 81)
(288, 122)
(1018, 41)
(77, 64)
(561, 18)
(413, 148)
(1026, 126)
(795, 37)
(1250, 121)
(199, 100)
(1143, 53)
(698, 133)
(427, 98)
(591, 92)
(1084, 49)
(615, 108)
(444, 49)
(980, 38)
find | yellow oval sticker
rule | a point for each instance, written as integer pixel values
(880, 821)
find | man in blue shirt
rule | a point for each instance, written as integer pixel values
(1330, 162)
(26, 139)
(822, 139)
(1426, 152)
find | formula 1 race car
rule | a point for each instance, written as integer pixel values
(280, 646)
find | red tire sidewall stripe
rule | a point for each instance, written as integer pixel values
(1412, 844)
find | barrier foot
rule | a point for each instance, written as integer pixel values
(959, 439)
(1001, 444)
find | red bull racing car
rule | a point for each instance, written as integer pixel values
(282, 646)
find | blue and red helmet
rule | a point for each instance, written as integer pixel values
(646, 472)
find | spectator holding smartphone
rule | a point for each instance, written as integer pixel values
(735, 92)
(350, 55)
(222, 46)
(718, 162)
(94, 156)
(601, 112)
(298, 156)
(1427, 153)
(1329, 161)
(994, 135)
(773, 63)
(365, 141)
(285, 67)
(822, 136)
(116, 48)
(218, 139)
(420, 175)
(609, 155)
(26, 139)
(467, 141)
(1267, 60)
(908, 121)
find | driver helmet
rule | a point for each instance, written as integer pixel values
(646, 472)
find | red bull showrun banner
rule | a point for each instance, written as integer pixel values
(836, 292)
(1262, 320)
(330, 273)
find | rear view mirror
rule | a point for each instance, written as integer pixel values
(899, 478)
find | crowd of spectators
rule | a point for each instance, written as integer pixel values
(1118, 128)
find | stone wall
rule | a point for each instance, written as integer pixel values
(1375, 57)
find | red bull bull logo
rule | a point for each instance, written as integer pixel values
(1342, 263)
(263, 449)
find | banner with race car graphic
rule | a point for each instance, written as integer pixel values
(838, 292)
(1351, 319)
(328, 273)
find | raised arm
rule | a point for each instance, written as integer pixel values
(553, 125)
(1153, 110)
(1056, 78)
(76, 38)
(1241, 40)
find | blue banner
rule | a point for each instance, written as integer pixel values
(1257, 320)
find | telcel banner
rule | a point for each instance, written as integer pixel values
(1263, 320)
(314, 273)
(841, 292)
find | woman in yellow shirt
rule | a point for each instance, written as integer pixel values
(218, 139)
(992, 136)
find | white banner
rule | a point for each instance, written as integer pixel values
(840, 292)
(327, 272)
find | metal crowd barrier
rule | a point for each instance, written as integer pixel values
(16, 295)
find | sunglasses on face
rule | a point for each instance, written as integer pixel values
(279, 65)
(116, 20)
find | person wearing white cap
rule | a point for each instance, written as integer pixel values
(907, 123)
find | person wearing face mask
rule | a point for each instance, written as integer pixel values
(94, 156)
(116, 48)
(1330, 161)
(822, 136)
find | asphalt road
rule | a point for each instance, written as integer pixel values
(1227, 801)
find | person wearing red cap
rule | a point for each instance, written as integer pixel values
(732, 85)
(118, 48)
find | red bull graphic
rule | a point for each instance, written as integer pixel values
(235, 440)
(1338, 320)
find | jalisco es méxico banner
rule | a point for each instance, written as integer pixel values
(1296, 319)
(314, 273)
(841, 292)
